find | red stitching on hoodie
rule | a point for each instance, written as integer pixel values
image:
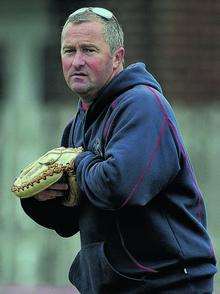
(154, 151)
(199, 213)
(149, 163)
(138, 264)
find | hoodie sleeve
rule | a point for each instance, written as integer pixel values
(52, 215)
(141, 155)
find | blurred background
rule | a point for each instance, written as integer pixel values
(180, 43)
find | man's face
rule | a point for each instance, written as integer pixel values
(86, 60)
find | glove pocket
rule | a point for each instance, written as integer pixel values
(51, 156)
(91, 272)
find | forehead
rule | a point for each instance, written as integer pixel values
(85, 31)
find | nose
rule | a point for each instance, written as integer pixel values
(78, 60)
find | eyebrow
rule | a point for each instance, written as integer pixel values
(68, 46)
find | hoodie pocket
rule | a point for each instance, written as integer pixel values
(91, 272)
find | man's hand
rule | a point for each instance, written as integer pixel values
(45, 171)
(54, 191)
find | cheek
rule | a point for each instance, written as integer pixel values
(100, 68)
(65, 65)
(95, 66)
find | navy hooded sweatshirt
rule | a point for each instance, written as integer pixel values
(141, 216)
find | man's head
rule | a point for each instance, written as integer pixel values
(91, 50)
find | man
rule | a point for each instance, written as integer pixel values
(141, 215)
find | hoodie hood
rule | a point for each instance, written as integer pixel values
(133, 75)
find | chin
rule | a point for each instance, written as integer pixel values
(78, 89)
(82, 90)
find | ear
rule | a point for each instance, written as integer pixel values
(118, 57)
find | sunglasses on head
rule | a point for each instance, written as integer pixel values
(97, 10)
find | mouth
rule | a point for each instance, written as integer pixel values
(78, 74)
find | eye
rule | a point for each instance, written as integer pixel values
(88, 50)
(68, 50)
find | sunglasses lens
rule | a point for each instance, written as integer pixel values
(103, 12)
(78, 11)
(97, 10)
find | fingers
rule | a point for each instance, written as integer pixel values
(54, 191)
(44, 197)
(62, 187)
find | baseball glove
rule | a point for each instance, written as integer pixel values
(47, 170)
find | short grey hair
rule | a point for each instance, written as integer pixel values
(112, 30)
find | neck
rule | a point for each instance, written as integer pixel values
(87, 101)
